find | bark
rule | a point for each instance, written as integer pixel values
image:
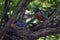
(26, 34)
(20, 8)
(6, 9)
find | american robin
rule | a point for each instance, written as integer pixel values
(38, 14)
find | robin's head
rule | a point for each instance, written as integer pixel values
(36, 10)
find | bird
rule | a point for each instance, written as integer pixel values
(38, 14)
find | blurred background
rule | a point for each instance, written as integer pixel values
(47, 6)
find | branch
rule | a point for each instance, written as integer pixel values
(46, 32)
(20, 7)
(46, 22)
(5, 16)
(45, 26)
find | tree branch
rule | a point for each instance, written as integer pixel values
(5, 16)
(48, 31)
(20, 7)
(51, 18)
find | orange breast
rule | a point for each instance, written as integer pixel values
(39, 17)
